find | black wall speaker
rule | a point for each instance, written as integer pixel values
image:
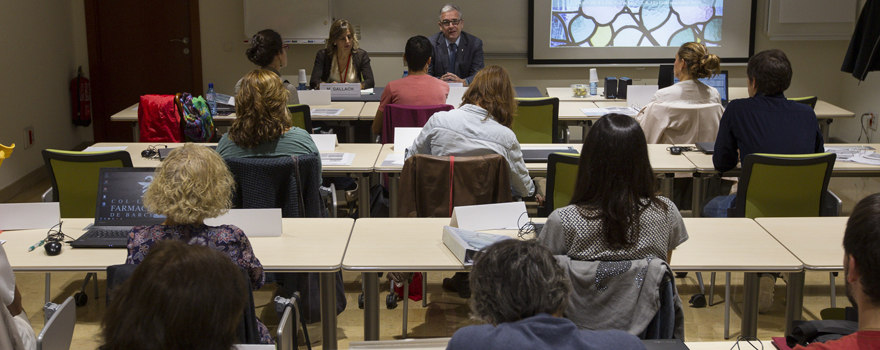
(621, 87)
(610, 87)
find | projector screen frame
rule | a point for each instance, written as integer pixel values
(640, 62)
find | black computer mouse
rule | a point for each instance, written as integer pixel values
(53, 248)
(675, 150)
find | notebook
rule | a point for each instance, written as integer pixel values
(539, 155)
(118, 208)
(706, 147)
(164, 152)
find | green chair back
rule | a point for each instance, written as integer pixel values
(301, 117)
(807, 100)
(537, 120)
(561, 177)
(74, 178)
(774, 185)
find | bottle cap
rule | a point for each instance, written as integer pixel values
(302, 76)
(594, 77)
(210, 85)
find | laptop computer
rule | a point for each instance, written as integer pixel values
(719, 82)
(164, 152)
(539, 155)
(118, 208)
(706, 147)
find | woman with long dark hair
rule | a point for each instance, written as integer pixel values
(614, 212)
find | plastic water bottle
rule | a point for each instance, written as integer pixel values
(405, 73)
(211, 96)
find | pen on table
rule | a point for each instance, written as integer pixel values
(35, 246)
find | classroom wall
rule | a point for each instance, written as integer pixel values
(43, 42)
(816, 62)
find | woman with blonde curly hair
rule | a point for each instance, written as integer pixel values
(191, 185)
(262, 127)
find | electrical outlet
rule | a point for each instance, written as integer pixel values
(28, 136)
(872, 121)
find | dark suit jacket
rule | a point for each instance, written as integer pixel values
(468, 61)
(321, 71)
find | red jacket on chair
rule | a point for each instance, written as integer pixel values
(159, 119)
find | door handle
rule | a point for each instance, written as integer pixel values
(185, 40)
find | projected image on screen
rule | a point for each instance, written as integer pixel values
(629, 23)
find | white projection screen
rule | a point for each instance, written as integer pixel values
(628, 32)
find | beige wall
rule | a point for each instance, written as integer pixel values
(41, 49)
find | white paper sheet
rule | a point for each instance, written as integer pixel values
(105, 149)
(325, 142)
(253, 222)
(455, 95)
(606, 110)
(314, 97)
(404, 137)
(26, 216)
(489, 216)
(337, 158)
(328, 112)
(452, 85)
(393, 159)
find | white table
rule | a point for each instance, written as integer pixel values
(815, 241)
(305, 245)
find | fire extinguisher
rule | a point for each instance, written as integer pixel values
(81, 99)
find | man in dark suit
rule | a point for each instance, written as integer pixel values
(457, 55)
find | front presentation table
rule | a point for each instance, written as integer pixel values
(305, 245)
(817, 242)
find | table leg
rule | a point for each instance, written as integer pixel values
(697, 201)
(394, 179)
(48, 286)
(349, 131)
(749, 326)
(328, 309)
(794, 300)
(371, 305)
(824, 126)
(363, 195)
(135, 132)
(666, 184)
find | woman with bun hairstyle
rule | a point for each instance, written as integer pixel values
(269, 52)
(342, 61)
(693, 61)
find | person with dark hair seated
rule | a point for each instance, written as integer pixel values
(520, 291)
(269, 52)
(180, 297)
(766, 122)
(417, 88)
(861, 271)
(614, 212)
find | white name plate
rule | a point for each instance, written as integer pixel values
(337, 90)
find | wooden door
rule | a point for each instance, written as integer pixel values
(138, 48)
